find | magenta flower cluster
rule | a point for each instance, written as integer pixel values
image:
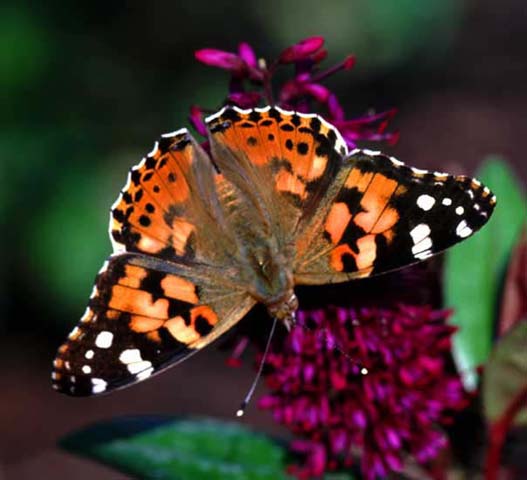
(252, 85)
(368, 386)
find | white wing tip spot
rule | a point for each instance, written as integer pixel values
(89, 354)
(98, 385)
(425, 202)
(131, 355)
(463, 230)
(420, 232)
(459, 210)
(447, 201)
(86, 369)
(104, 339)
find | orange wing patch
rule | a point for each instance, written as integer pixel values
(149, 215)
(141, 320)
(295, 149)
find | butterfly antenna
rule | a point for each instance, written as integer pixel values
(247, 399)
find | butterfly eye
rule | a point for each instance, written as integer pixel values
(264, 266)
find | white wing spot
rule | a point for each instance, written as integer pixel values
(447, 201)
(420, 232)
(424, 255)
(425, 202)
(138, 367)
(86, 369)
(98, 385)
(463, 230)
(422, 241)
(89, 354)
(135, 363)
(460, 210)
(104, 339)
(145, 374)
(476, 206)
(425, 244)
(131, 355)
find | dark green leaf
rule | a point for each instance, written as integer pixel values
(169, 449)
(506, 373)
(473, 270)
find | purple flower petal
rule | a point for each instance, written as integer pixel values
(196, 119)
(245, 99)
(301, 50)
(220, 59)
(247, 54)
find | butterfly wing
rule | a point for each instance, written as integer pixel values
(279, 163)
(169, 207)
(385, 216)
(171, 286)
(144, 316)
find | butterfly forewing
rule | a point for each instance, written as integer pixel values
(281, 163)
(387, 216)
(143, 317)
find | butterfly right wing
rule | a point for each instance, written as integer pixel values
(144, 316)
(386, 216)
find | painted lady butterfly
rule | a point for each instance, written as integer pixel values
(199, 240)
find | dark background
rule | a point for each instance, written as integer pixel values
(87, 88)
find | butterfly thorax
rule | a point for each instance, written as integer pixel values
(271, 281)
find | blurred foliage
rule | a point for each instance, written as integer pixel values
(505, 374)
(475, 268)
(381, 33)
(189, 449)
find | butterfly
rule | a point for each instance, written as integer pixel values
(200, 237)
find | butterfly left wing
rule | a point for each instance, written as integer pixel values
(387, 216)
(144, 315)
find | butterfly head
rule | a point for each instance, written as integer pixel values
(285, 310)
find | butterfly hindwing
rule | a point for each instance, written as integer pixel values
(386, 216)
(143, 316)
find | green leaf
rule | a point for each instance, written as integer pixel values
(167, 448)
(473, 270)
(505, 375)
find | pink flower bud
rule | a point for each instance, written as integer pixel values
(220, 59)
(301, 50)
